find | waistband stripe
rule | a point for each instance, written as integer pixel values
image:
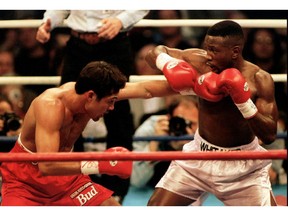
(209, 147)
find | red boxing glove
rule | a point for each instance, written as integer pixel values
(206, 87)
(180, 75)
(232, 82)
(123, 169)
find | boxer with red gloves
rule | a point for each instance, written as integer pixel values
(122, 169)
(222, 127)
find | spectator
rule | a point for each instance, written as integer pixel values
(277, 172)
(99, 35)
(6, 114)
(141, 66)
(32, 59)
(182, 119)
(140, 107)
(171, 36)
(263, 48)
(19, 96)
(10, 123)
(9, 40)
(95, 130)
(6, 63)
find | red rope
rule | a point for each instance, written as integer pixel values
(148, 156)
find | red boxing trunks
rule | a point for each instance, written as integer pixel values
(23, 185)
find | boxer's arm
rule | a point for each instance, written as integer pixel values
(262, 111)
(47, 136)
(120, 168)
(152, 54)
(146, 90)
(264, 123)
(194, 56)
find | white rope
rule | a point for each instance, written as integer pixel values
(135, 78)
(30, 80)
(55, 80)
(245, 23)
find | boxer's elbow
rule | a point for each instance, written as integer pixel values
(269, 138)
(46, 168)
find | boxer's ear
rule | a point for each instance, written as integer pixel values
(91, 95)
(235, 52)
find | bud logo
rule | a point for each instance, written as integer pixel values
(172, 64)
(85, 197)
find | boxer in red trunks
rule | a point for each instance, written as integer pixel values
(54, 121)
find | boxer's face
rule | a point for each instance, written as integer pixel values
(98, 108)
(220, 51)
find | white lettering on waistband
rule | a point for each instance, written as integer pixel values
(209, 147)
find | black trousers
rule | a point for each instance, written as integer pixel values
(119, 122)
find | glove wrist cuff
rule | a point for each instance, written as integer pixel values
(189, 91)
(89, 167)
(162, 59)
(248, 109)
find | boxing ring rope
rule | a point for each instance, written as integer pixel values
(55, 80)
(148, 156)
(143, 156)
(245, 23)
(7, 139)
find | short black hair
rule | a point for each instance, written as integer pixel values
(226, 28)
(101, 77)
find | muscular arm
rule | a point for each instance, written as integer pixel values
(264, 123)
(146, 90)
(152, 54)
(195, 57)
(47, 137)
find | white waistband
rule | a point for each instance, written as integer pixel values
(204, 145)
(22, 146)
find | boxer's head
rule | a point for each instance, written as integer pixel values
(224, 42)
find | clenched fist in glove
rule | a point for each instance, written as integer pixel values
(206, 87)
(180, 75)
(232, 82)
(123, 169)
